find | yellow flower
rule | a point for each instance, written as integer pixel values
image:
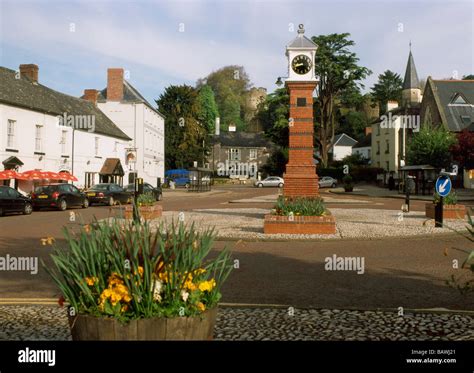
(201, 306)
(207, 285)
(189, 285)
(140, 271)
(47, 241)
(199, 271)
(115, 279)
(91, 280)
(124, 308)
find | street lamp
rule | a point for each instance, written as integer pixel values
(279, 82)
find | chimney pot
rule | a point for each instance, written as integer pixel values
(91, 95)
(30, 71)
(115, 84)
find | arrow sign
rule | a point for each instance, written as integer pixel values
(443, 186)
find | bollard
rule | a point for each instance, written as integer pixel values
(439, 213)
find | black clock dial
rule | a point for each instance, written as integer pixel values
(301, 64)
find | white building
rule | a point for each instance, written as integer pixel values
(32, 137)
(126, 107)
(342, 146)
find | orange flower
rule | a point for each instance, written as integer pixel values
(201, 307)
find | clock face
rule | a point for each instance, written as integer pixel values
(301, 64)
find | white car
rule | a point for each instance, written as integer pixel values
(327, 182)
(271, 181)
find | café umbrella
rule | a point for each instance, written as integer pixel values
(33, 175)
(67, 176)
(7, 175)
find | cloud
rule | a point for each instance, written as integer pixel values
(144, 37)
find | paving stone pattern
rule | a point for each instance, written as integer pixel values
(249, 323)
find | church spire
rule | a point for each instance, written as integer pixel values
(411, 77)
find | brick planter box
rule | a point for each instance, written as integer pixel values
(146, 212)
(449, 211)
(275, 224)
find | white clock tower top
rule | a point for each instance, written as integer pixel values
(304, 50)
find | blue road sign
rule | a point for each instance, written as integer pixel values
(443, 186)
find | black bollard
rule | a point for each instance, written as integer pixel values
(439, 213)
(407, 198)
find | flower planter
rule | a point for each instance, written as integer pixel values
(449, 211)
(91, 328)
(275, 224)
(146, 212)
(348, 188)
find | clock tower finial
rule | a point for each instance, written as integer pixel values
(300, 29)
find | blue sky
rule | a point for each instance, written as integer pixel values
(144, 38)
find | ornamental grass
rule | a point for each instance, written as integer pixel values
(126, 270)
(299, 206)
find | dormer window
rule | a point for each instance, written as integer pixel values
(458, 99)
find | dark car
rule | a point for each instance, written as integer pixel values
(13, 201)
(108, 193)
(60, 196)
(147, 188)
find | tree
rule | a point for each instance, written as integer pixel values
(468, 77)
(338, 71)
(463, 150)
(208, 111)
(353, 124)
(275, 165)
(184, 134)
(273, 115)
(231, 85)
(431, 146)
(388, 87)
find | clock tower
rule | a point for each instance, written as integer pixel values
(300, 177)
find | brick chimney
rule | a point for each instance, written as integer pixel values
(114, 84)
(368, 130)
(30, 71)
(91, 95)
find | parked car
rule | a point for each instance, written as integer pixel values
(271, 181)
(327, 182)
(147, 188)
(108, 193)
(60, 196)
(13, 201)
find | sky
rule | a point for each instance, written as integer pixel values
(159, 43)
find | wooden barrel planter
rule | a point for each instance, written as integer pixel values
(449, 211)
(146, 212)
(91, 328)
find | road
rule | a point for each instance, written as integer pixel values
(399, 272)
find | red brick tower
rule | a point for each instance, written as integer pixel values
(301, 179)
